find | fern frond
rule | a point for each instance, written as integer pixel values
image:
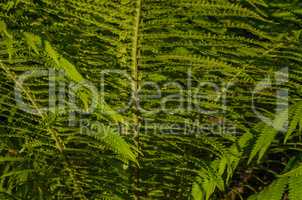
(274, 191)
(295, 120)
(295, 185)
(268, 134)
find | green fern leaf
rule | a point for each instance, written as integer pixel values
(295, 185)
(274, 191)
(267, 135)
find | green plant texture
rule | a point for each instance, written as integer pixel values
(151, 99)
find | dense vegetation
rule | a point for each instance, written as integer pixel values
(151, 99)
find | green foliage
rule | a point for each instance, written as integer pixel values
(268, 134)
(135, 147)
(273, 192)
